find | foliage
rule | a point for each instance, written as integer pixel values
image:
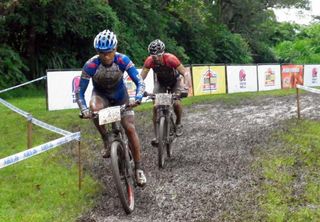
(11, 67)
(305, 48)
(254, 21)
(55, 34)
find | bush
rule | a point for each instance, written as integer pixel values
(11, 67)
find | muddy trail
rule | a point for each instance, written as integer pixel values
(210, 176)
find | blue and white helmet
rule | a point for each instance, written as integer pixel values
(105, 41)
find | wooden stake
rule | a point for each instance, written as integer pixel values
(298, 103)
(29, 131)
(79, 164)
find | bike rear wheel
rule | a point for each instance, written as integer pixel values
(123, 179)
(162, 131)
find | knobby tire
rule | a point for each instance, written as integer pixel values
(123, 181)
(170, 137)
(162, 141)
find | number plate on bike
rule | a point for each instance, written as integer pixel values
(163, 99)
(109, 115)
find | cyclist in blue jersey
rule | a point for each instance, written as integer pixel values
(106, 71)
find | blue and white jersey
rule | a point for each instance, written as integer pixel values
(108, 80)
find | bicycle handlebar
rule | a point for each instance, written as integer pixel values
(122, 109)
(174, 96)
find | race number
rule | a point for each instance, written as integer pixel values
(163, 99)
(109, 115)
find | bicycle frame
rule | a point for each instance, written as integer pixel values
(166, 128)
(166, 111)
(122, 163)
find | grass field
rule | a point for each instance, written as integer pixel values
(45, 187)
(291, 171)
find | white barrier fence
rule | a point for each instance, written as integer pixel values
(67, 136)
(23, 84)
(7, 161)
(33, 120)
(306, 88)
(309, 89)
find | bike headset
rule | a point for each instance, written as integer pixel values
(156, 47)
(105, 41)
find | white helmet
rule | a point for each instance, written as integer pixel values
(105, 41)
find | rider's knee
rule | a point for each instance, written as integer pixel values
(96, 104)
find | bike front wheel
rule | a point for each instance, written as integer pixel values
(123, 179)
(162, 141)
(170, 136)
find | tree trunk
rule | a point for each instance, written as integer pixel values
(30, 52)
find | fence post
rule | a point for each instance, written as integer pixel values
(298, 103)
(79, 163)
(29, 131)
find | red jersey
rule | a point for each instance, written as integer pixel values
(166, 72)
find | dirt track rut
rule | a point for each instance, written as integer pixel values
(210, 172)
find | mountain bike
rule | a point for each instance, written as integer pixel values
(166, 126)
(122, 163)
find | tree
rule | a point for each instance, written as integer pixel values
(254, 20)
(304, 49)
(55, 33)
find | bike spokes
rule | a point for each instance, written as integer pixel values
(123, 179)
(162, 141)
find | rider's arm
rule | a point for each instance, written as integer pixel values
(148, 64)
(173, 62)
(84, 82)
(183, 72)
(144, 72)
(127, 65)
(88, 71)
(137, 79)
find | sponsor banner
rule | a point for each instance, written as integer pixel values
(188, 81)
(291, 75)
(208, 80)
(23, 84)
(309, 89)
(311, 76)
(269, 77)
(61, 91)
(131, 87)
(7, 161)
(242, 78)
(62, 85)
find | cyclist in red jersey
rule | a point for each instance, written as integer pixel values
(169, 72)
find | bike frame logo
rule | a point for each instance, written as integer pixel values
(209, 81)
(243, 79)
(269, 77)
(75, 87)
(314, 75)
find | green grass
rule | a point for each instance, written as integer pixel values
(45, 187)
(291, 188)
